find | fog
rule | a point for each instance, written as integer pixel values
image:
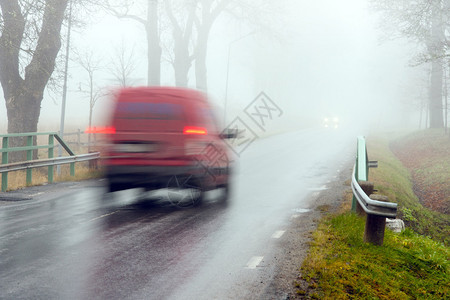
(322, 58)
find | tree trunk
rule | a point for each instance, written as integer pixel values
(23, 96)
(435, 48)
(23, 112)
(435, 107)
(181, 73)
(200, 60)
(153, 47)
(182, 63)
(209, 13)
(181, 36)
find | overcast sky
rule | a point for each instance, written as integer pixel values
(329, 61)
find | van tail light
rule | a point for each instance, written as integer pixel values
(104, 130)
(195, 130)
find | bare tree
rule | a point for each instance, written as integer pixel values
(122, 9)
(29, 44)
(185, 48)
(258, 15)
(182, 38)
(209, 12)
(91, 65)
(190, 23)
(423, 22)
(123, 66)
(199, 19)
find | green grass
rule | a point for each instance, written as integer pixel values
(412, 265)
(341, 266)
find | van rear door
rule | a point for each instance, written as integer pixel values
(148, 126)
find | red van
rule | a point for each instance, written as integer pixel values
(165, 137)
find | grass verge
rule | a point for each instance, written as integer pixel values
(412, 265)
(17, 179)
(341, 266)
(426, 154)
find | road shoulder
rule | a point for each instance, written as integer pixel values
(294, 246)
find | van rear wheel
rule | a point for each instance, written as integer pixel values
(185, 191)
(225, 193)
(114, 187)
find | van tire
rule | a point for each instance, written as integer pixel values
(224, 197)
(114, 187)
(192, 186)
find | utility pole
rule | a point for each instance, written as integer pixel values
(228, 72)
(63, 103)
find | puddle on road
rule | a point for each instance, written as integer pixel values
(15, 197)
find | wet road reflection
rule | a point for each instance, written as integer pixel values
(92, 245)
(80, 243)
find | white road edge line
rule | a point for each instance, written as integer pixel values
(36, 194)
(254, 262)
(277, 234)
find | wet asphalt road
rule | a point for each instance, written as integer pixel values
(73, 241)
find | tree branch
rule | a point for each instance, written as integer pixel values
(41, 67)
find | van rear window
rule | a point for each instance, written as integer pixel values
(145, 110)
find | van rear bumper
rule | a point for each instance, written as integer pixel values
(157, 177)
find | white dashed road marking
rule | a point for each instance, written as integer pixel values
(301, 210)
(322, 188)
(277, 234)
(254, 262)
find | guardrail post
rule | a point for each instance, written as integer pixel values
(29, 157)
(5, 143)
(374, 231)
(375, 225)
(51, 145)
(72, 169)
(375, 207)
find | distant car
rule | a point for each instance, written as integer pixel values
(330, 122)
(164, 137)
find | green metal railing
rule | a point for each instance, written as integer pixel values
(360, 175)
(361, 166)
(375, 207)
(29, 148)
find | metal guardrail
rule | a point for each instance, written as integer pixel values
(29, 164)
(372, 207)
(48, 162)
(376, 211)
